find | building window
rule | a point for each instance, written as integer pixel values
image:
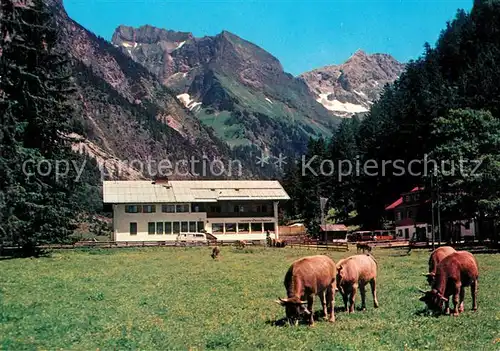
(192, 227)
(151, 227)
(201, 226)
(159, 228)
(243, 227)
(269, 226)
(407, 233)
(148, 208)
(400, 232)
(168, 208)
(132, 209)
(417, 196)
(256, 227)
(407, 198)
(429, 228)
(239, 208)
(182, 208)
(217, 228)
(177, 227)
(168, 227)
(264, 208)
(410, 214)
(230, 228)
(133, 228)
(215, 209)
(467, 225)
(184, 227)
(398, 215)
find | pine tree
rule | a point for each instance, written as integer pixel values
(35, 203)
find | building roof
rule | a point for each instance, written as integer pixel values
(178, 191)
(333, 228)
(400, 200)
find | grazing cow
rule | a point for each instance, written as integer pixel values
(279, 243)
(215, 252)
(453, 274)
(306, 277)
(436, 257)
(356, 271)
(363, 247)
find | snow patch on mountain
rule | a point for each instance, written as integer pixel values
(337, 106)
(187, 101)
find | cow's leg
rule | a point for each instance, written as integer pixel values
(373, 286)
(352, 298)
(362, 291)
(456, 299)
(324, 302)
(462, 295)
(330, 300)
(447, 307)
(310, 302)
(344, 297)
(473, 291)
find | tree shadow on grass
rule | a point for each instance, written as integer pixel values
(15, 253)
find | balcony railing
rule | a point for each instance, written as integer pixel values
(238, 214)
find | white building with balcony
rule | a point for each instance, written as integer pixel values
(227, 209)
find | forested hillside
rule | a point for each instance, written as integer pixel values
(444, 107)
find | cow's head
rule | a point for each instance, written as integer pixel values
(430, 277)
(294, 309)
(433, 299)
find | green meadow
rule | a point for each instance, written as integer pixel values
(180, 299)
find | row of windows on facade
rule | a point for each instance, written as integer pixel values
(412, 197)
(184, 208)
(193, 227)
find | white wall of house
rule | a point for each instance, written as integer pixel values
(411, 230)
(232, 228)
(467, 227)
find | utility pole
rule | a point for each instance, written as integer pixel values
(322, 202)
(432, 212)
(439, 214)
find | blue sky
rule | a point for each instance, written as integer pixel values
(302, 34)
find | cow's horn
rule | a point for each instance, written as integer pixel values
(303, 302)
(281, 301)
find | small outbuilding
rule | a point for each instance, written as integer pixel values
(330, 232)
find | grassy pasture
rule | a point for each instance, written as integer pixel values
(179, 299)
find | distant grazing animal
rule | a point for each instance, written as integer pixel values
(354, 272)
(453, 274)
(437, 256)
(363, 247)
(279, 243)
(215, 252)
(306, 277)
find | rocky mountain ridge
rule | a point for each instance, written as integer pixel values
(353, 86)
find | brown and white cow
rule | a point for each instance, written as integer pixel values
(453, 274)
(306, 277)
(353, 272)
(437, 256)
